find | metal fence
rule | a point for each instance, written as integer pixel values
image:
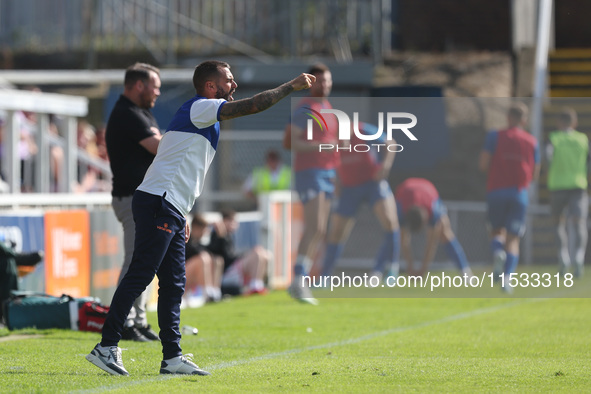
(261, 29)
(14, 165)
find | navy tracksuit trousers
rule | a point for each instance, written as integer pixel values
(159, 249)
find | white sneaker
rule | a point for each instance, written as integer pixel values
(181, 365)
(467, 272)
(377, 274)
(300, 292)
(108, 359)
(193, 298)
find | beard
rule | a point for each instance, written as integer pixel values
(221, 94)
(147, 102)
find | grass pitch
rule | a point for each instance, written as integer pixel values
(271, 343)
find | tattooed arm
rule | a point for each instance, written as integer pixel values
(264, 100)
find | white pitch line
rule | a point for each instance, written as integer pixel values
(18, 337)
(228, 364)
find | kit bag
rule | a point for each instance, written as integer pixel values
(91, 316)
(41, 311)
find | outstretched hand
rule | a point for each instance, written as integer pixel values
(304, 81)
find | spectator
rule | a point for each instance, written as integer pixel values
(86, 137)
(91, 178)
(28, 124)
(4, 187)
(568, 155)
(243, 274)
(274, 175)
(27, 147)
(511, 159)
(103, 180)
(86, 140)
(203, 270)
(56, 158)
(101, 142)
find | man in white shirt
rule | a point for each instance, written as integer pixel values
(164, 198)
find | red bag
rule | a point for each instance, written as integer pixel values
(91, 316)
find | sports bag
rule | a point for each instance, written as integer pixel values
(41, 311)
(91, 316)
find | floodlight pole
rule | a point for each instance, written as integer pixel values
(541, 65)
(539, 94)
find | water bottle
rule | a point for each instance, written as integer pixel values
(188, 330)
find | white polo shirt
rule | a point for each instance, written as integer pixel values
(185, 153)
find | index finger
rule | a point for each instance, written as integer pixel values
(311, 77)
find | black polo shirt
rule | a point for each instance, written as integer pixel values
(127, 126)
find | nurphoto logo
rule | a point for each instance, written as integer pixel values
(345, 128)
